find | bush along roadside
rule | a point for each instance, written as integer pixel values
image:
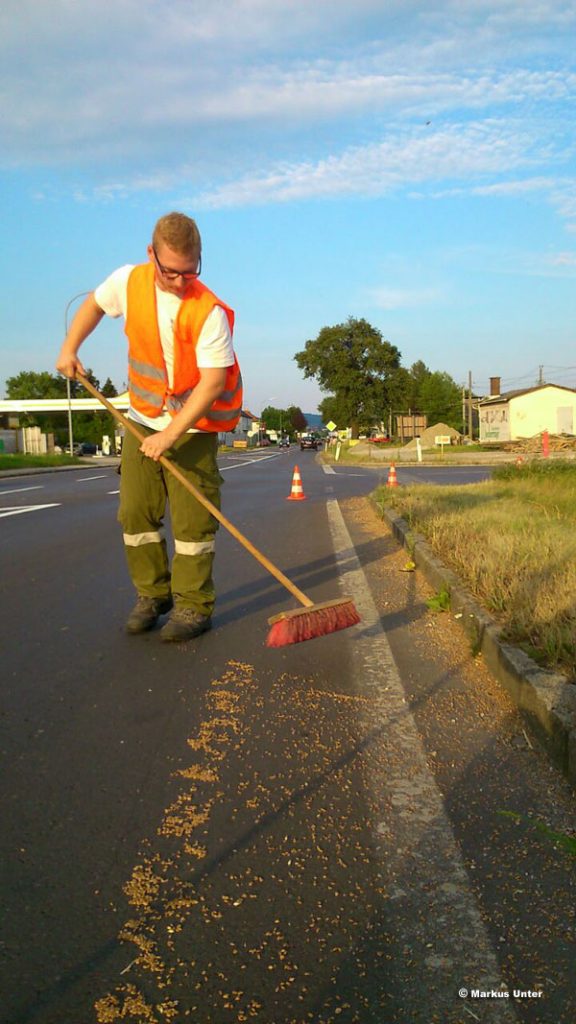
(8, 462)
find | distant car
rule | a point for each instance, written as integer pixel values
(379, 439)
(284, 443)
(308, 441)
(85, 448)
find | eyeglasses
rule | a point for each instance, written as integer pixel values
(171, 275)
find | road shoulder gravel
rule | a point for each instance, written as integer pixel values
(499, 787)
(546, 700)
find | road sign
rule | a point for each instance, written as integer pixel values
(331, 425)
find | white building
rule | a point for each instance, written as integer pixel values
(524, 413)
(246, 432)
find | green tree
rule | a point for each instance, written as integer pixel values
(354, 363)
(29, 385)
(441, 400)
(399, 391)
(108, 389)
(296, 421)
(418, 374)
(275, 419)
(332, 411)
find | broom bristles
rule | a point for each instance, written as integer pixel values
(307, 623)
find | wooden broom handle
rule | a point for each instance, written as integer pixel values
(131, 426)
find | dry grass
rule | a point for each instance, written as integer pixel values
(512, 541)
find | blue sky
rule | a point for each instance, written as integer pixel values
(409, 163)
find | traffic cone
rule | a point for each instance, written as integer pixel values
(392, 479)
(297, 493)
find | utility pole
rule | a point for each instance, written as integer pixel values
(68, 385)
(470, 421)
(463, 409)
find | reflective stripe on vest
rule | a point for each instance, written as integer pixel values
(148, 381)
(146, 369)
(175, 402)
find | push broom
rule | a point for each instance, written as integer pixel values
(290, 627)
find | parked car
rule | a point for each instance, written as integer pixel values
(308, 441)
(85, 448)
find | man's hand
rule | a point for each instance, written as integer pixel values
(156, 444)
(69, 364)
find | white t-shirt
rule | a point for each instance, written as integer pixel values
(214, 348)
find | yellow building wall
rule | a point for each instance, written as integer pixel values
(551, 409)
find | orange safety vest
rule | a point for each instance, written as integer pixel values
(148, 384)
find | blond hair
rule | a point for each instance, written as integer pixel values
(180, 233)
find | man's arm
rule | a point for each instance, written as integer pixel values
(210, 386)
(85, 321)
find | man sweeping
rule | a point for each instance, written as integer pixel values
(185, 386)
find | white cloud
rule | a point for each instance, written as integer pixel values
(299, 99)
(563, 259)
(97, 82)
(462, 151)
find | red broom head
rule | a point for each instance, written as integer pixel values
(308, 623)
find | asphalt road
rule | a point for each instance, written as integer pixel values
(221, 832)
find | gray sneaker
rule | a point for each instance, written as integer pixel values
(185, 624)
(146, 612)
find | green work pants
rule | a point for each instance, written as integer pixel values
(145, 488)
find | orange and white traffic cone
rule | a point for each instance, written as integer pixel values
(297, 492)
(392, 478)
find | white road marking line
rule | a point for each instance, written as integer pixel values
(420, 859)
(19, 490)
(248, 462)
(114, 492)
(18, 510)
(83, 479)
(328, 469)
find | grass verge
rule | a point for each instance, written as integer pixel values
(512, 542)
(36, 461)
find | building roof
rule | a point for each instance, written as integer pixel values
(507, 396)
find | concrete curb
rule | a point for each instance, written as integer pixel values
(546, 700)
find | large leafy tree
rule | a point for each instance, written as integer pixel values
(353, 362)
(332, 411)
(30, 385)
